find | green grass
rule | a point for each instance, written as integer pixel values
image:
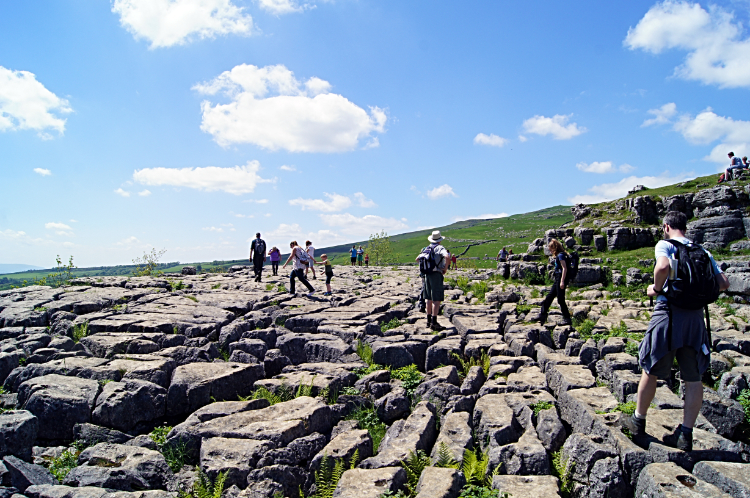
(563, 469)
(539, 406)
(409, 376)
(394, 323)
(744, 400)
(80, 331)
(62, 465)
(369, 421)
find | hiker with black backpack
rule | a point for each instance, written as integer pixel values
(433, 263)
(686, 281)
(258, 255)
(563, 274)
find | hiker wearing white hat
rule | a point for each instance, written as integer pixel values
(433, 263)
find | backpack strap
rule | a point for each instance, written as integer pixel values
(708, 329)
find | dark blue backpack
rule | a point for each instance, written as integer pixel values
(427, 263)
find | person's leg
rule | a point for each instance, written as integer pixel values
(693, 403)
(563, 305)
(646, 393)
(292, 276)
(548, 300)
(304, 281)
(328, 284)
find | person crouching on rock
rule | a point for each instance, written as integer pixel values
(558, 289)
(301, 261)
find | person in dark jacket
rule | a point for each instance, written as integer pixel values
(558, 288)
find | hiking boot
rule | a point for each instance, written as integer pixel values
(680, 439)
(429, 321)
(636, 426)
(543, 318)
(436, 327)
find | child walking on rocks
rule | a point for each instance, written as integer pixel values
(558, 289)
(301, 261)
(329, 272)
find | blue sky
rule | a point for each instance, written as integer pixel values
(189, 125)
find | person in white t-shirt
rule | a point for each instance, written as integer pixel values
(310, 252)
(300, 258)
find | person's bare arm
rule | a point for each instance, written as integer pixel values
(289, 259)
(723, 281)
(661, 272)
(564, 266)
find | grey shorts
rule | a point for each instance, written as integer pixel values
(687, 359)
(433, 287)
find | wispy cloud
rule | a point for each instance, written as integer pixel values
(662, 115)
(479, 217)
(557, 126)
(286, 167)
(363, 201)
(144, 193)
(491, 140)
(123, 193)
(42, 171)
(334, 203)
(611, 191)
(237, 180)
(604, 167)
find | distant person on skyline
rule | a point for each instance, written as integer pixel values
(367, 259)
(275, 256)
(301, 261)
(310, 252)
(353, 254)
(360, 255)
(258, 255)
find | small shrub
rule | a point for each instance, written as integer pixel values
(269, 287)
(175, 455)
(631, 348)
(394, 323)
(620, 330)
(535, 293)
(364, 351)
(216, 286)
(177, 286)
(80, 331)
(539, 406)
(146, 265)
(445, 457)
(585, 328)
(414, 464)
(284, 394)
(204, 487)
(224, 354)
(475, 468)
(369, 421)
(626, 408)
(744, 400)
(410, 377)
(192, 298)
(483, 361)
(563, 470)
(62, 465)
(159, 435)
(306, 389)
(329, 475)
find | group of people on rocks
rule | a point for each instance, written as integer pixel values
(303, 261)
(735, 164)
(359, 256)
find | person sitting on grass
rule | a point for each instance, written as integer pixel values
(329, 272)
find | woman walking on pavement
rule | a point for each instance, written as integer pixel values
(275, 256)
(558, 289)
(301, 261)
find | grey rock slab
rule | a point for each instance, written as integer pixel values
(108, 344)
(344, 445)
(87, 368)
(455, 433)
(448, 374)
(289, 478)
(417, 432)
(527, 486)
(152, 368)
(732, 478)
(24, 474)
(393, 406)
(579, 407)
(726, 415)
(370, 483)
(18, 431)
(59, 402)
(440, 483)
(234, 457)
(123, 405)
(667, 480)
(561, 378)
(441, 353)
(473, 382)
(550, 430)
(525, 457)
(528, 378)
(90, 434)
(279, 424)
(494, 421)
(116, 466)
(59, 491)
(194, 385)
(293, 380)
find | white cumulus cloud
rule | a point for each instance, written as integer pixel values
(610, 191)
(491, 139)
(334, 203)
(662, 115)
(42, 171)
(144, 193)
(444, 190)
(287, 168)
(25, 104)
(121, 192)
(717, 51)
(363, 226)
(363, 201)
(165, 23)
(272, 109)
(280, 7)
(285, 233)
(557, 126)
(237, 180)
(604, 167)
(708, 127)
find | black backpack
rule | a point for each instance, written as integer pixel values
(260, 246)
(427, 263)
(571, 260)
(695, 285)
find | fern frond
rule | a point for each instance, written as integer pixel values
(445, 457)
(354, 460)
